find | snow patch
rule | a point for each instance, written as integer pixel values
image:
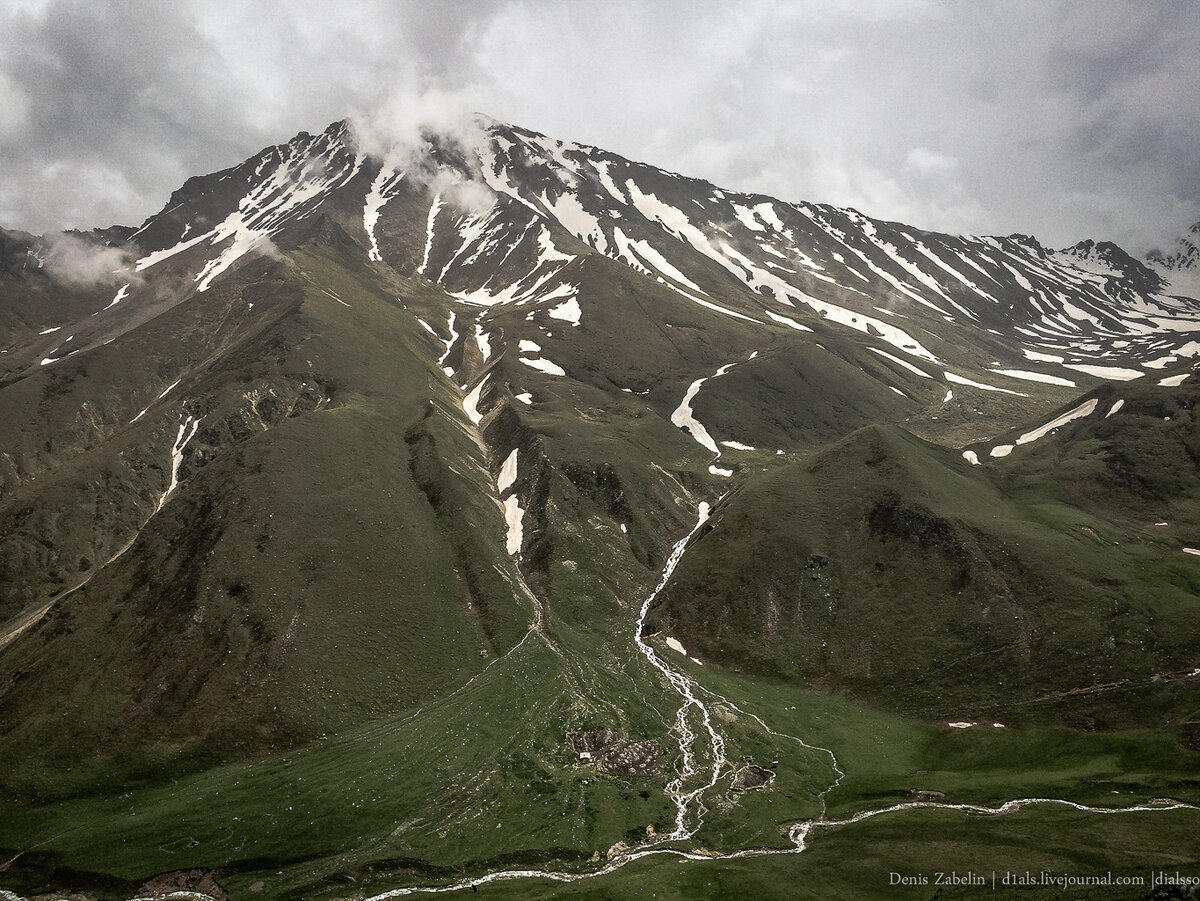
(449, 342)
(381, 191)
(122, 293)
(682, 417)
(1041, 357)
(675, 646)
(791, 323)
(568, 312)
(1173, 381)
(508, 473)
(907, 365)
(1034, 377)
(1113, 373)
(433, 212)
(971, 457)
(543, 366)
(470, 403)
(1114, 408)
(1084, 409)
(483, 342)
(512, 519)
(959, 380)
(187, 431)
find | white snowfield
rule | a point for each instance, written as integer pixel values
(682, 417)
(122, 293)
(382, 189)
(1002, 450)
(1173, 381)
(1115, 408)
(470, 403)
(1112, 373)
(1029, 376)
(567, 311)
(512, 519)
(960, 380)
(1084, 409)
(449, 342)
(543, 366)
(434, 208)
(508, 473)
(790, 323)
(1042, 357)
(187, 431)
(483, 341)
(903, 363)
(971, 457)
(675, 646)
(1076, 321)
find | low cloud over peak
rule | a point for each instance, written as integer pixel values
(1065, 121)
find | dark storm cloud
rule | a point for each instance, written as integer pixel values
(1066, 120)
(112, 102)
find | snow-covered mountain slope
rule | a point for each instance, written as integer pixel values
(1180, 268)
(511, 218)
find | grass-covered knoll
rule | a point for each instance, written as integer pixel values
(890, 569)
(1142, 461)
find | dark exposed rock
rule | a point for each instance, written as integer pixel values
(198, 880)
(752, 776)
(613, 753)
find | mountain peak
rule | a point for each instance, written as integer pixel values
(1186, 255)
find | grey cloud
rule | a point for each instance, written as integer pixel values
(1066, 120)
(80, 262)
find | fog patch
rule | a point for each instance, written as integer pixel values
(435, 140)
(78, 261)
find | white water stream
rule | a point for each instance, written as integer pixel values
(675, 789)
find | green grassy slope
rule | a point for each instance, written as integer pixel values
(890, 569)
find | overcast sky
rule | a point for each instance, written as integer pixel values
(1065, 120)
